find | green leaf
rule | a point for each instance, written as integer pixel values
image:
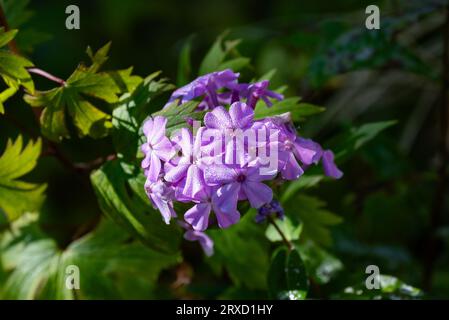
(320, 264)
(293, 105)
(125, 80)
(110, 264)
(267, 76)
(13, 67)
(132, 110)
(81, 96)
(304, 182)
(240, 248)
(16, 196)
(6, 37)
(235, 65)
(217, 54)
(120, 191)
(290, 227)
(358, 137)
(177, 115)
(5, 95)
(316, 220)
(16, 12)
(184, 63)
(98, 58)
(287, 277)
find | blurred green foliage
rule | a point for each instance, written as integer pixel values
(380, 90)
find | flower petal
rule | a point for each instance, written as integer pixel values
(206, 243)
(258, 193)
(164, 149)
(291, 169)
(194, 183)
(165, 207)
(219, 174)
(224, 203)
(241, 114)
(176, 173)
(147, 160)
(254, 174)
(218, 119)
(330, 169)
(198, 216)
(155, 168)
(307, 151)
(148, 127)
(158, 130)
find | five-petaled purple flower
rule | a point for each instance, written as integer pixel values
(158, 147)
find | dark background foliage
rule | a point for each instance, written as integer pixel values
(322, 51)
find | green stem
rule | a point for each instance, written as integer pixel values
(287, 242)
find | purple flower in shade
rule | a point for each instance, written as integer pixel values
(330, 169)
(268, 209)
(158, 147)
(238, 184)
(259, 90)
(207, 86)
(205, 241)
(308, 152)
(193, 235)
(161, 196)
(188, 167)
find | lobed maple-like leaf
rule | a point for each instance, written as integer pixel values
(85, 96)
(16, 196)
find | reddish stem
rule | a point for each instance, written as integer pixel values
(47, 75)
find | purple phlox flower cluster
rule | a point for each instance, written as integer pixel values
(230, 158)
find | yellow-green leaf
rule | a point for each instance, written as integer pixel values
(17, 197)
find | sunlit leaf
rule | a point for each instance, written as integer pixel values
(6, 94)
(79, 97)
(290, 227)
(13, 68)
(16, 196)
